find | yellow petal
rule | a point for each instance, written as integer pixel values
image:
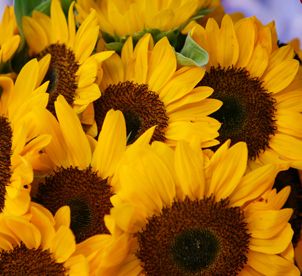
(113, 71)
(245, 40)
(258, 62)
(86, 37)
(227, 48)
(87, 72)
(189, 171)
(287, 146)
(77, 265)
(181, 83)
(228, 173)
(71, 26)
(287, 122)
(111, 144)
(281, 75)
(59, 22)
(34, 34)
(63, 244)
(25, 231)
(141, 59)
(73, 133)
(274, 245)
(44, 224)
(283, 53)
(272, 265)
(62, 217)
(162, 64)
(212, 34)
(266, 224)
(254, 184)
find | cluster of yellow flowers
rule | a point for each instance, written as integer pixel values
(143, 137)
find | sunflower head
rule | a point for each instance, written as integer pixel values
(40, 245)
(119, 20)
(20, 137)
(146, 85)
(255, 80)
(197, 215)
(73, 66)
(79, 169)
(9, 38)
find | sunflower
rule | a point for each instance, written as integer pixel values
(146, 86)
(189, 213)
(41, 245)
(20, 140)
(79, 168)
(258, 84)
(73, 68)
(120, 19)
(9, 38)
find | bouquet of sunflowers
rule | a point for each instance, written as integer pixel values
(147, 137)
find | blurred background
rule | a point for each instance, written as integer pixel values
(286, 13)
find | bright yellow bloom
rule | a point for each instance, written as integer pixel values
(9, 38)
(145, 84)
(184, 212)
(129, 18)
(20, 140)
(41, 244)
(78, 169)
(73, 67)
(259, 85)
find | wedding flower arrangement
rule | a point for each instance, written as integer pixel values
(146, 137)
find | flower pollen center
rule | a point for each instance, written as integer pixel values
(194, 250)
(6, 135)
(24, 261)
(61, 74)
(248, 110)
(142, 109)
(194, 237)
(87, 195)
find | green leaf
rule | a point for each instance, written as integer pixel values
(116, 46)
(192, 54)
(65, 5)
(44, 7)
(201, 13)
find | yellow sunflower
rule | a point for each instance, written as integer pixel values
(41, 245)
(258, 84)
(73, 68)
(9, 38)
(186, 213)
(145, 84)
(120, 19)
(20, 140)
(80, 168)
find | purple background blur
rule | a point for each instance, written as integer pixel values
(286, 13)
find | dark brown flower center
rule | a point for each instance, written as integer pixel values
(248, 110)
(199, 237)
(142, 109)
(24, 261)
(61, 74)
(87, 195)
(6, 136)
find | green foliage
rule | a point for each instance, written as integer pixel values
(192, 54)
